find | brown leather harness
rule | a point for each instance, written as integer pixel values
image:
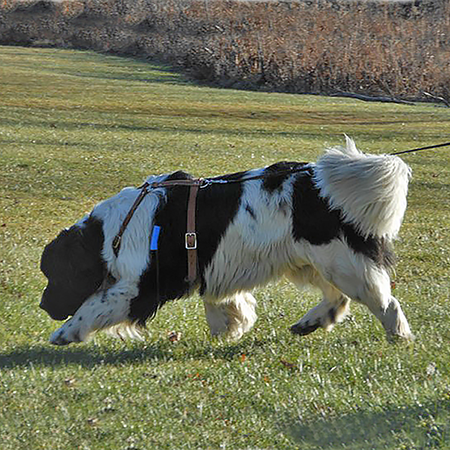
(191, 233)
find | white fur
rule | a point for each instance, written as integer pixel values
(370, 189)
(357, 277)
(253, 252)
(104, 309)
(333, 300)
(135, 246)
(232, 316)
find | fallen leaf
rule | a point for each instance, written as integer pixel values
(288, 364)
(173, 336)
(70, 382)
(92, 421)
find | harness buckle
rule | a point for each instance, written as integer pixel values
(190, 241)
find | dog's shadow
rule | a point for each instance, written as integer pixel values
(91, 356)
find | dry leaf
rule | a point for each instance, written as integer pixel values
(288, 364)
(70, 382)
(173, 336)
(92, 421)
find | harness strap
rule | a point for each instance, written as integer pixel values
(191, 233)
(169, 183)
(118, 238)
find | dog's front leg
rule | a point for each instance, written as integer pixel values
(102, 310)
(232, 316)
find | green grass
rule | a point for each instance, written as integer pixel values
(75, 127)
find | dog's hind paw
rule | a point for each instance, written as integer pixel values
(400, 338)
(302, 329)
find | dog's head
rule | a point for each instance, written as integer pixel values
(74, 268)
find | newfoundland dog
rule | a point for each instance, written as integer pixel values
(329, 224)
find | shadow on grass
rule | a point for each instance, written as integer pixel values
(412, 427)
(91, 356)
(130, 127)
(83, 356)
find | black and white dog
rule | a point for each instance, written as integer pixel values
(328, 224)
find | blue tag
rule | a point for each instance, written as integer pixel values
(155, 237)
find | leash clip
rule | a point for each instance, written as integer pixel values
(204, 182)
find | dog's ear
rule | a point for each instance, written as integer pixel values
(74, 268)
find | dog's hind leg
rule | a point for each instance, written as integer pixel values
(324, 315)
(375, 292)
(331, 310)
(232, 316)
(103, 309)
(361, 279)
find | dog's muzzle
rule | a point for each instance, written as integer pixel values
(52, 312)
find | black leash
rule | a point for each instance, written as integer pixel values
(429, 147)
(299, 167)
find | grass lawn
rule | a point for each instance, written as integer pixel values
(75, 127)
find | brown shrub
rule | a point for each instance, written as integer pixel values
(316, 47)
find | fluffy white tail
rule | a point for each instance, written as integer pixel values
(370, 190)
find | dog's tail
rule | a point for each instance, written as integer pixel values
(370, 190)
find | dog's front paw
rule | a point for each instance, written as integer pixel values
(66, 335)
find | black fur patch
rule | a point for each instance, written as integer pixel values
(377, 249)
(315, 221)
(278, 173)
(74, 268)
(312, 218)
(332, 314)
(303, 330)
(165, 279)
